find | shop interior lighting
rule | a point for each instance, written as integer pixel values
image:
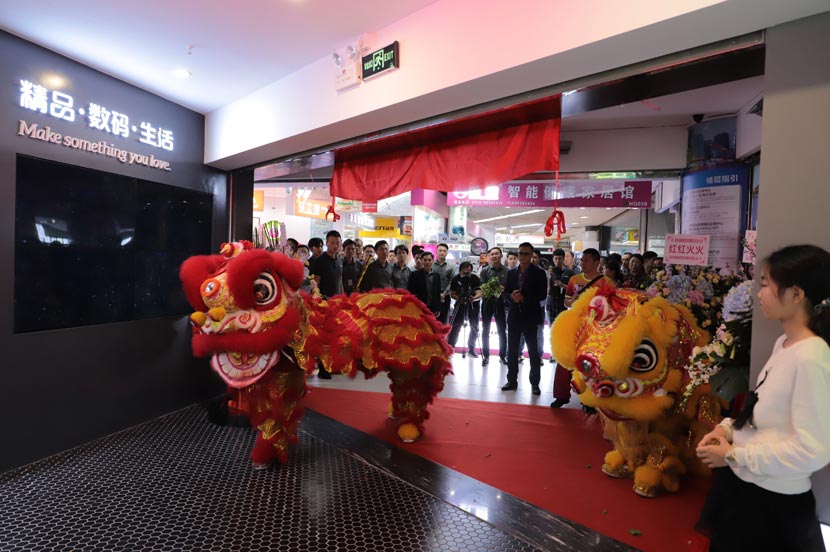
(527, 225)
(509, 216)
(181, 73)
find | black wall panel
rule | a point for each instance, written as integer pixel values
(64, 387)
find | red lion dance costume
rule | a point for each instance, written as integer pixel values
(265, 336)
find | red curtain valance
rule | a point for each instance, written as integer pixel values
(472, 152)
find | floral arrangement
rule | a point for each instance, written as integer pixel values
(491, 289)
(725, 361)
(701, 290)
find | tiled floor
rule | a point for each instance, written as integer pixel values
(469, 381)
(179, 483)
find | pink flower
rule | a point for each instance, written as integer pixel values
(696, 297)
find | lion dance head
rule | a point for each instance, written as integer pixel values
(245, 309)
(626, 352)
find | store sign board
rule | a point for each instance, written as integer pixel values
(380, 61)
(259, 200)
(687, 249)
(386, 224)
(304, 206)
(36, 99)
(370, 207)
(623, 195)
(405, 226)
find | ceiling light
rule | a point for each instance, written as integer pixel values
(54, 81)
(510, 215)
(583, 207)
(338, 61)
(181, 73)
(584, 216)
(527, 225)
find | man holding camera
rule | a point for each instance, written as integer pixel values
(465, 289)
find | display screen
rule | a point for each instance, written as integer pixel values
(93, 247)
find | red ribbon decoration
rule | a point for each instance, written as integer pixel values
(334, 216)
(557, 217)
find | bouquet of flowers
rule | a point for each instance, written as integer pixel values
(701, 290)
(724, 363)
(491, 289)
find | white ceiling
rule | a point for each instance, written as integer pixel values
(672, 110)
(237, 47)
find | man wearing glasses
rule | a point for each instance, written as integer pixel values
(525, 288)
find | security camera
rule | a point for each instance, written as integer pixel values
(697, 117)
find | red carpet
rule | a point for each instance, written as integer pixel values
(549, 458)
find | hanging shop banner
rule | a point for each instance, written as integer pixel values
(458, 224)
(687, 250)
(714, 204)
(623, 195)
(304, 206)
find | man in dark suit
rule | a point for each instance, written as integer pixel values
(426, 284)
(525, 288)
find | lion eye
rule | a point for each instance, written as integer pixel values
(265, 289)
(645, 357)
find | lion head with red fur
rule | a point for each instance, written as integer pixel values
(245, 303)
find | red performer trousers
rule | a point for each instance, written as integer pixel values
(562, 384)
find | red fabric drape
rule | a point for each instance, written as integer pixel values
(471, 152)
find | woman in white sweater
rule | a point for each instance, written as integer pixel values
(761, 498)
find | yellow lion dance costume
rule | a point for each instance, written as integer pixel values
(264, 336)
(627, 355)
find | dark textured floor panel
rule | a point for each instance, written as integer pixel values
(180, 483)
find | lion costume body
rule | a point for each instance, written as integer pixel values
(627, 355)
(264, 336)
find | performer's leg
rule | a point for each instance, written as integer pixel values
(412, 392)
(277, 416)
(562, 385)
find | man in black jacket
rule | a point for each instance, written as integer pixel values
(426, 284)
(524, 290)
(493, 307)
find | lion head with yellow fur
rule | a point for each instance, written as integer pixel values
(626, 352)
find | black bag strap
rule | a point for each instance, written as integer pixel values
(592, 282)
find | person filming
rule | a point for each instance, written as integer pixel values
(465, 289)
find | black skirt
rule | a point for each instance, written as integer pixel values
(741, 516)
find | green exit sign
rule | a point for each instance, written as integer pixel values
(380, 61)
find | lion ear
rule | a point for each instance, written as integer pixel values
(662, 318)
(563, 333)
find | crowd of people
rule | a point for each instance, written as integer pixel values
(529, 294)
(763, 456)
